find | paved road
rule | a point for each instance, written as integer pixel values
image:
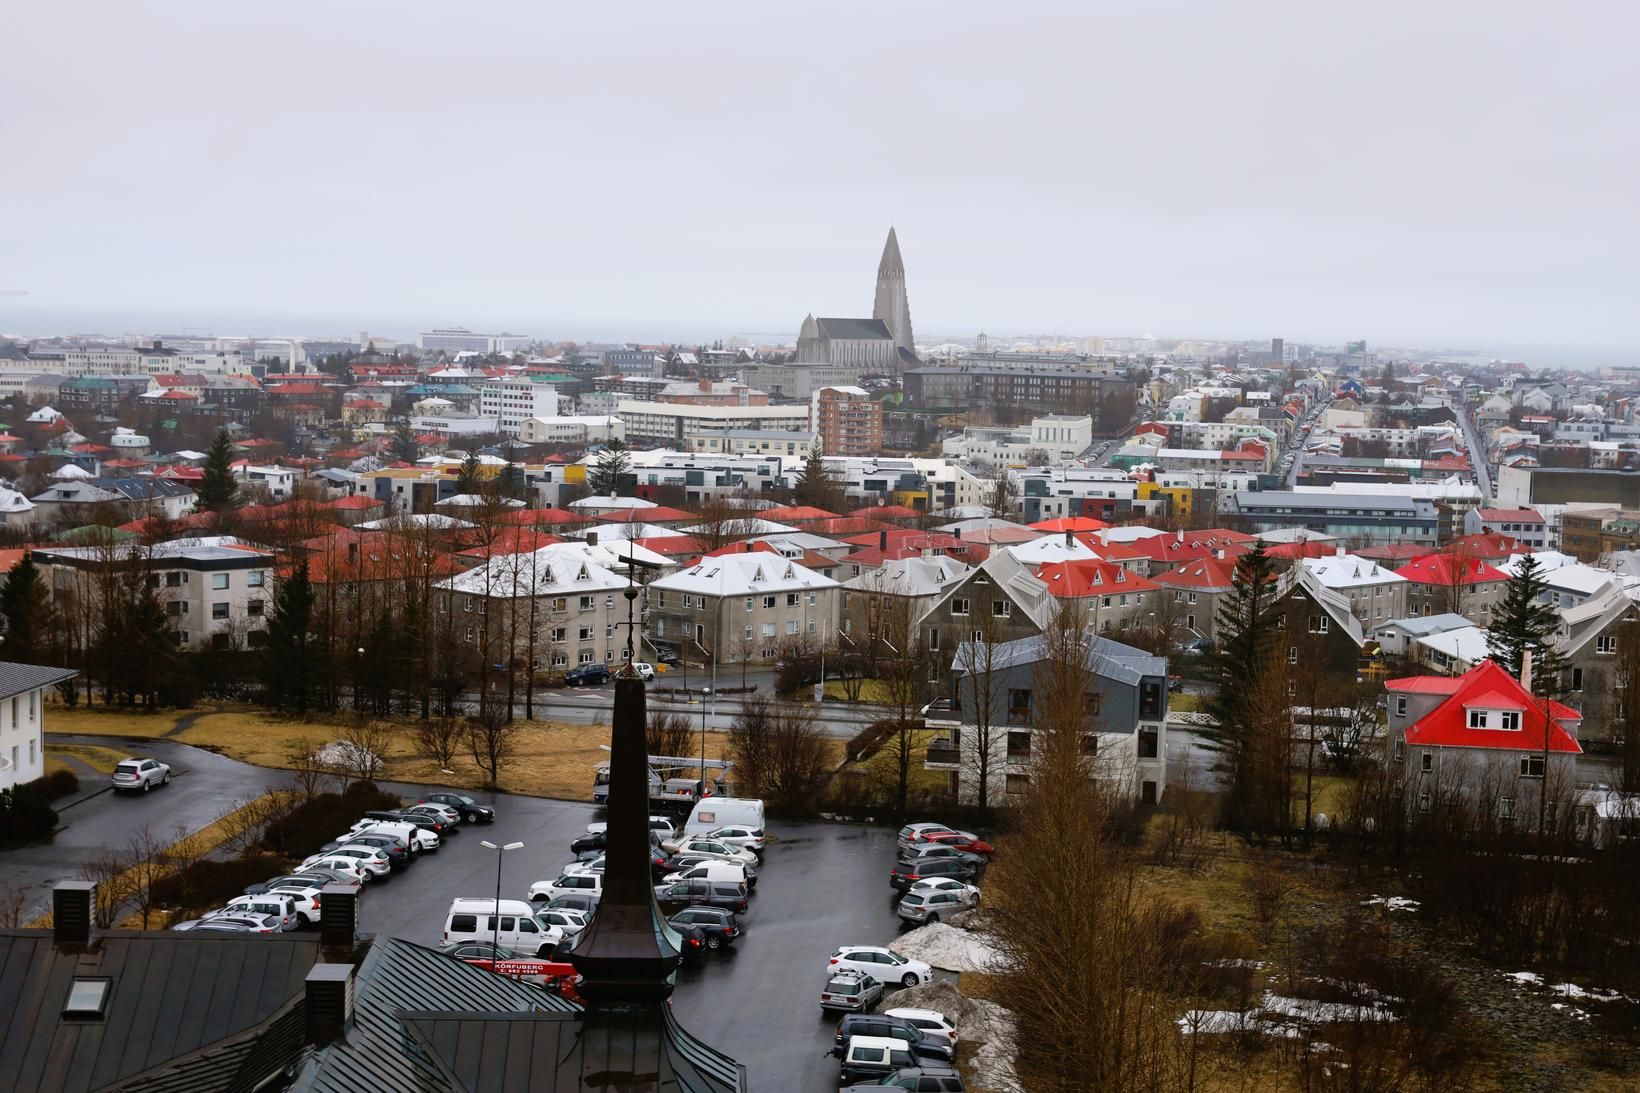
(821, 885)
(203, 786)
(1477, 451)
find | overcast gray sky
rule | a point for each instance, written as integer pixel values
(1447, 171)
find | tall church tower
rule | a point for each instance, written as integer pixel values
(892, 306)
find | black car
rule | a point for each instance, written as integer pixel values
(471, 811)
(593, 841)
(720, 926)
(918, 1079)
(906, 873)
(587, 675)
(690, 893)
(693, 942)
(923, 1043)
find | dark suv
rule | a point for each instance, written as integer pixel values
(471, 811)
(923, 1043)
(587, 675)
(907, 873)
(917, 1079)
(689, 893)
(720, 926)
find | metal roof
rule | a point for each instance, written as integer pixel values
(17, 678)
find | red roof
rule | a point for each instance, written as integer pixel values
(1090, 577)
(1310, 548)
(1209, 573)
(672, 546)
(661, 514)
(354, 503)
(1488, 686)
(788, 514)
(842, 525)
(887, 512)
(1172, 549)
(1487, 516)
(1447, 569)
(1424, 685)
(513, 540)
(1392, 552)
(1487, 545)
(1071, 523)
(544, 517)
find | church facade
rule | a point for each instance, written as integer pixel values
(882, 344)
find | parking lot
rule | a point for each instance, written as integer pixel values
(821, 885)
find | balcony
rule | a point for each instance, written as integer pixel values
(941, 714)
(943, 754)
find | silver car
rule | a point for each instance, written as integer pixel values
(930, 905)
(140, 774)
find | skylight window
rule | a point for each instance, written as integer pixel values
(87, 999)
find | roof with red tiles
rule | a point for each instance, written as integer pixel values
(1090, 577)
(1487, 686)
(1448, 569)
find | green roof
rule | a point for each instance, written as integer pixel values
(91, 534)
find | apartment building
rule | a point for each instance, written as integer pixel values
(514, 400)
(1056, 438)
(847, 420)
(688, 427)
(22, 720)
(735, 608)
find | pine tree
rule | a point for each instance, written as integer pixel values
(25, 609)
(469, 477)
(1248, 620)
(218, 488)
(613, 464)
(1521, 622)
(287, 662)
(404, 444)
(816, 487)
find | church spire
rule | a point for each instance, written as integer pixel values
(892, 305)
(891, 261)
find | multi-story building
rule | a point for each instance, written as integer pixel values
(1056, 438)
(1372, 519)
(215, 589)
(458, 339)
(990, 721)
(1441, 583)
(734, 608)
(847, 420)
(708, 392)
(1046, 391)
(571, 430)
(514, 400)
(22, 720)
(930, 485)
(1524, 525)
(680, 425)
(800, 379)
(1047, 493)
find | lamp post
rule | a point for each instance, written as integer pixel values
(358, 672)
(700, 791)
(500, 853)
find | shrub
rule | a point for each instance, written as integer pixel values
(317, 821)
(206, 884)
(25, 816)
(59, 783)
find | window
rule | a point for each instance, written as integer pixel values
(1477, 719)
(585, 657)
(1428, 761)
(1292, 654)
(468, 636)
(1019, 706)
(1511, 720)
(750, 630)
(588, 602)
(1531, 766)
(1400, 706)
(1178, 597)
(1019, 745)
(1506, 807)
(219, 581)
(1605, 643)
(1192, 597)
(219, 610)
(254, 578)
(1002, 609)
(768, 629)
(87, 999)
(1090, 743)
(792, 599)
(768, 602)
(1319, 624)
(959, 605)
(173, 580)
(557, 633)
(253, 608)
(791, 626)
(1149, 743)
(1423, 802)
(1018, 783)
(749, 602)
(585, 633)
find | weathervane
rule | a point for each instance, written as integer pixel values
(631, 623)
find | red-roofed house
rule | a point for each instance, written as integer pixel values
(1464, 586)
(1480, 749)
(1164, 552)
(1115, 599)
(1196, 587)
(1491, 547)
(1525, 525)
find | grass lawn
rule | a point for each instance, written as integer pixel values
(873, 691)
(883, 763)
(98, 759)
(1183, 703)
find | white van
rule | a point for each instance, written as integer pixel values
(716, 812)
(520, 930)
(725, 872)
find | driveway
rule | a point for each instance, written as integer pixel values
(203, 786)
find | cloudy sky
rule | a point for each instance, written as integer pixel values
(1452, 172)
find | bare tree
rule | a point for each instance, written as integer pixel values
(492, 738)
(903, 673)
(439, 738)
(309, 774)
(978, 687)
(668, 733)
(149, 860)
(13, 901)
(365, 745)
(1002, 494)
(779, 754)
(106, 869)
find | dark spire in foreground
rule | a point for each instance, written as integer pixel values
(627, 953)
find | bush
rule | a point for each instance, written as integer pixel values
(315, 822)
(207, 884)
(59, 783)
(25, 816)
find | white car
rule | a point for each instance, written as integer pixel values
(646, 672)
(747, 838)
(140, 774)
(274, 904)
(700, 847)
(947, 884)
(350, 868)
(929, 1020)
(306, 897)
(569, 884)
(912, 834)
(660, 825)
(418, 838)
(566, 919)
(883, 965)
(591, 865)
(370, 859)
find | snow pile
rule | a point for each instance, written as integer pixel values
(1566, 990)
(978, 1022)
(1392, 903)
(943, 946)
(1281, 1016)
(349, 757)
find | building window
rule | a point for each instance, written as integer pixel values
(588, 602)
(1017, 783)
(1149, 743)
(1477, 719)
(1019, 745)
(585, 633)
(1019, 706)
(1428, 761)
(173, 580)
(1292, 654)
(1400, 706)
(1531, 766)
(959, 606)
(1511, 720)
(1506, 808)
(219, 610)
(219, 581)
(1605, 643)
(1090, 743)
(1319, 624)
(1423, 802)
(792, 599)
(254, 578)
(468, 636)
(768, 629)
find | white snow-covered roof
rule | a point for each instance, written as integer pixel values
(1467, 644)
(1052, 547)
(477, 500)
(551, 570)
(12, 501)
(610, 503)
(910, 576)
(613, 553)
(71, 470)
(1129, 533)
(1348, 571)
(1548, 561)
(743, 574)
(744, 525)
(435, 520)
(1577, 578)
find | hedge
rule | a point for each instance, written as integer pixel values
(59, 783)
(315, 822)
(25, 816)
(206, 884)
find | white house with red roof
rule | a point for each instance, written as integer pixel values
(1526, 525)
(1195, 588)
(1480, 744)
(1461, 584)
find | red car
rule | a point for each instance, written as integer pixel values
(960, 840)
(556, 976)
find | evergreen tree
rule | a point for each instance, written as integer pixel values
(1248, 621)
(25, 610)
(816, 487)
(512, 483)
(404, 444)
(218, 488)
(613, 464)
(288, 660)
(469, 477)
(1523, 621)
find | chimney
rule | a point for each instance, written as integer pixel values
(338, 916)
(956, 533)
(353, 552)
(592, 538)
(71, 914)
(1341, 552)
(1070, 540)
(1180, 534)
(882, 541)
(328, 1001)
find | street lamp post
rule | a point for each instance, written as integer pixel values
(500, 853)
(700, 792)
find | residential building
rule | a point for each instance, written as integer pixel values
(22, 720)
(800, 379)
(1047, 493)
(1466, 586)
(709, 392)
(1396, 637)
(1062, 392)
(1106, 595)
(458, 339)
(1525, 525)
(515, 399)
(1366, 518)
(1481, 745)
(991, 719)
(1056, 438)
(735, 608)
(1374, 595)
(847, 420)
(77, 499)
(688, 427)
(894, 598)
(599, 429)
(1196, 589)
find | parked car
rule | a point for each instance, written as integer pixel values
(922, 906)
(471, 811)
(692, 942)
(688, 893)
(659, 827)
(929, 851)
(585, 843)
(921, 1079)
(712, 869)
(371, 861)
(720, 926)
(960, 840)
(927, 1020)
(450, 817)
(581, 902)
(906, 873)
(278, 905)
(882, 964)
(306, 895)
(552, 974)
(580, 884)
(398, 854)
(709, 848)
(342, 867)
(400, 816)
(519, 929)
(872, 1057)
(244, 923)
(850, 990)
(587, 675)
(334, 874)
(911, 834)
(140, 774)
(747, 838)
(927, 1044)
(646, 672)
(570, 922)
(419, 837)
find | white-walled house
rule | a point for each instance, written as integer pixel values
(22, 719)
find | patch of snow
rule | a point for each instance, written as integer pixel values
(979, 1022)
(349, 757)
(1281, 1016)
(1392, 903)
(1526, 977)
(954, 950)
(1211, 1022)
